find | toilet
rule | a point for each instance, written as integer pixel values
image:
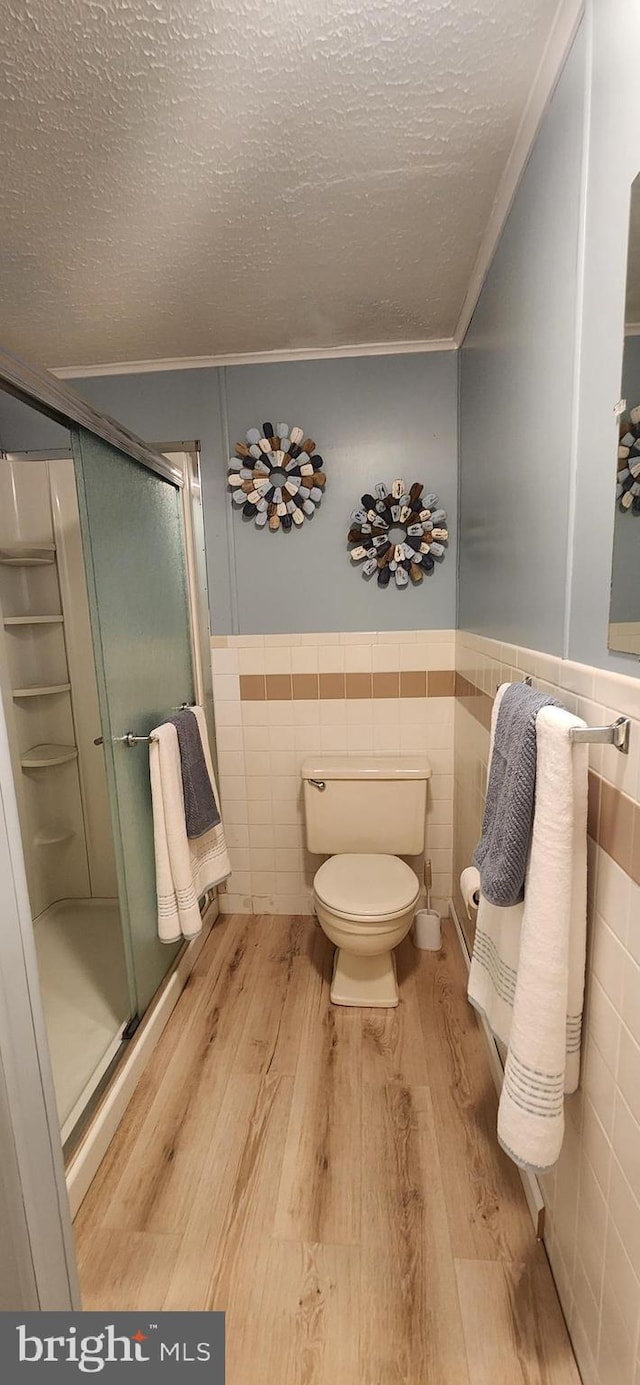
(364, 813)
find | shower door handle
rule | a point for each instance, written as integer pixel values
(99, 740)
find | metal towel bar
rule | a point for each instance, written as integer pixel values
(616, 734)
(131, 740)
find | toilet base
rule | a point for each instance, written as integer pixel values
(369, 982)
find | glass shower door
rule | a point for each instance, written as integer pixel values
(132, 533)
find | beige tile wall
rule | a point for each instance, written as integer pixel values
(279, 698)
(329, 693)
(593, 1196)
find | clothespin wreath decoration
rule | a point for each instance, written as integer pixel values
(277, 476)
(628, 478)
(398, 533)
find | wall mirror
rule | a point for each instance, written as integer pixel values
(624, 610)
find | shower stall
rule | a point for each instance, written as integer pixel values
(51, 699)
(103, 632)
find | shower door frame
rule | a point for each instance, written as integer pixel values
(40, 1243)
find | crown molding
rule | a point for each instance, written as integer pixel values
(565, 27)
(318, 353)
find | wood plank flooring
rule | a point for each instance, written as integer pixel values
(328, 1176)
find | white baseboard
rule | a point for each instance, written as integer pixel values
(84, 1164)
(532, 1190)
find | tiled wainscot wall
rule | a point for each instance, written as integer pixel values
(279, 698)
(593, 1213)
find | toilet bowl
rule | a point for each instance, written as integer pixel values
(365, 813)
(365, 905)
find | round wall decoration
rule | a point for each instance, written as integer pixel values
(398, 533)
(628, 479)
(276, 477)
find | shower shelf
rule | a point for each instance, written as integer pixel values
(53, 836)
(28, 555)
(43, 756)
(34, 620)
(46, 691)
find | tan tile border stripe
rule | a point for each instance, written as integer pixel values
(283, 687)
(613, 818)
(414, 684)
(475, 700)
(614, 823)
(330, 686)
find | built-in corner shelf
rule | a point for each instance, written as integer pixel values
(53, 836)
(34, 620)
(28, 555)
(43, 756)
(47, 691)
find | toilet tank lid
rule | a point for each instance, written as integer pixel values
(366, 767)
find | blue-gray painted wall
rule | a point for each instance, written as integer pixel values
(612, 164)
(373, 418)
(516, 383)
(22, 427)
(541, 370)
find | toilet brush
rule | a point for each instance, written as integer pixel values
(425, 930)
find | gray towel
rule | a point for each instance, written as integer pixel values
(502, 852)
(200, 807)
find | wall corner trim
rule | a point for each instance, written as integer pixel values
(303, 353)
(565, 27)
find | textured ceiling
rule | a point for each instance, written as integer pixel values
(196, 177)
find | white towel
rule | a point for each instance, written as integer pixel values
(184, 869)
(527, 969)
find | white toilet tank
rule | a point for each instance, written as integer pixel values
(365, 803)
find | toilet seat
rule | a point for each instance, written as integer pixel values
(368, 890)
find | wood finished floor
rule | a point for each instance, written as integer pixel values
(330, 1177)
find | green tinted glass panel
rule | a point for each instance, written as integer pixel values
(132, 532)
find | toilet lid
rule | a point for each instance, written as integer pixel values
(366, 886)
